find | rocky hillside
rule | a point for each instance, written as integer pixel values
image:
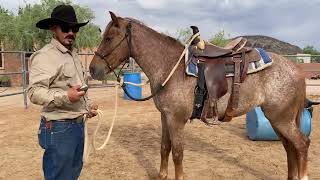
(272, 45)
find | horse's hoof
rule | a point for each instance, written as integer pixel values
(211, 122)
(180, 178)
(162, 176)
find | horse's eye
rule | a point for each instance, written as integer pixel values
(108, 39)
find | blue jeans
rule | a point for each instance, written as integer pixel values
(63, 143)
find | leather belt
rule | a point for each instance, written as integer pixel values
(49, 124)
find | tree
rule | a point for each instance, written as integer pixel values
(219, 39)
(22, 34)
(311, 50)
(6, 22)
(183, 34)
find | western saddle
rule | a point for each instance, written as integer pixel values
(212, 62)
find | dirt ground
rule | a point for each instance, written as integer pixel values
(220, 152)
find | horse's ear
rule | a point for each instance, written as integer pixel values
(114, 19)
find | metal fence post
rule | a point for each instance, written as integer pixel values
(85, 68)
(24, 79)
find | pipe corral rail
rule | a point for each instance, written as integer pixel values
(24, 71)
(24, 74)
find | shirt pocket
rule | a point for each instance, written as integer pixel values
(67, 76)
(68, 70)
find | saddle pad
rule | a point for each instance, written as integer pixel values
(191, 63)
(264, 62)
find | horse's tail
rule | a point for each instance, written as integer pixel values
(302, 103)
(298, 116)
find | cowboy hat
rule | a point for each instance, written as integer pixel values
(62, 14)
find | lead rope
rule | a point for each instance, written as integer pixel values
(86, 150)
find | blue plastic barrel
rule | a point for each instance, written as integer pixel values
(259, 128)
(134, 91)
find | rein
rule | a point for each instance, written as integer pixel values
(128, 37)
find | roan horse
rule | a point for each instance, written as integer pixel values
(279, 90)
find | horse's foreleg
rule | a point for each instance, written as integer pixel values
(165, 149)
(176, 127)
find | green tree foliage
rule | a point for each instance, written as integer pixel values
(6, 24)
(311, 50)
(20, 33)
(220, 39)
(183, 34)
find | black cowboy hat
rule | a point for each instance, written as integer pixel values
(62, 14)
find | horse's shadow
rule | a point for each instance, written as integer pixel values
(148, 138)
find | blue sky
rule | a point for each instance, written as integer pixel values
(294, 21)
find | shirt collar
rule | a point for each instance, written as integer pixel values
(61, 48)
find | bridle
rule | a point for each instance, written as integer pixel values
(128, 37)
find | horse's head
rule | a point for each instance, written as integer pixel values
(113, 49)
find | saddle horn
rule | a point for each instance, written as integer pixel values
(195, 29)
(197, 41)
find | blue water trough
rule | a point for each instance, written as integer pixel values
(258, 126)
(134, 91)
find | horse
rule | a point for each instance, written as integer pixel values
(280, 90)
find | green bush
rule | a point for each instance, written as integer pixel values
(4, 81)
(220, 39)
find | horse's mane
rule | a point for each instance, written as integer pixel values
(173, 40)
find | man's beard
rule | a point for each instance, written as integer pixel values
(70, 41)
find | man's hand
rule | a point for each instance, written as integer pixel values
(92, 111)
(74, 94)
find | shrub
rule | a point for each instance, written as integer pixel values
(5, 81)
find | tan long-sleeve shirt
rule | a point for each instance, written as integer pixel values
(53, 69)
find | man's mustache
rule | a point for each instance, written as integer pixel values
(70, 37)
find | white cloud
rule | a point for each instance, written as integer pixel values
(15, 4)
(293, 21)
(147, 4)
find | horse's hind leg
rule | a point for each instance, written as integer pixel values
(285, 123)
(165, 149)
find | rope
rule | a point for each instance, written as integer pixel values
(86, 150)
(99, 116)
(181, 56)
(135, 84)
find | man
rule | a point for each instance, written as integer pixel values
(55, 79)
